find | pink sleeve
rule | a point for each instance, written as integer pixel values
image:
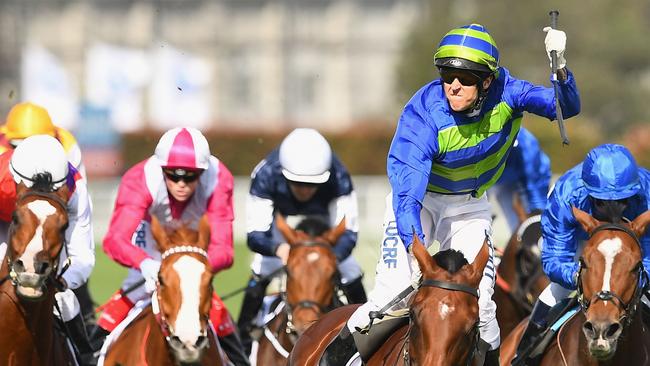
(220, 215)
(133, 200)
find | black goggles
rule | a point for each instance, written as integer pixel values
(177, 175)
(465, 77)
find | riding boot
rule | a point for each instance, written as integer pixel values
(492, 358)
(251, 305)
(340, 350)
(76, 330)
(355, 292)
(233, 348)
(97, 337)
(87, 306)
(535, 328)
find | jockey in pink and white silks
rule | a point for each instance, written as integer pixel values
(450, 146)
(181, 182)
(40, 155)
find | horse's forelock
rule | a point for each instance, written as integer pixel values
(42, 182)
(313, 226)
(450, 260)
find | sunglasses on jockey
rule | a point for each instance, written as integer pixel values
(179, 174)
(465, 77)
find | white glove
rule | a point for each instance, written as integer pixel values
(283, 252)
(68, 303)
(149, 269)
(555, 41)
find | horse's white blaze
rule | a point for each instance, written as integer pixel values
(188, 325)
(41, 209)
(609, 248)
(444, 309)
(312, 257)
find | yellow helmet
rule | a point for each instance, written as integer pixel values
(27, 119)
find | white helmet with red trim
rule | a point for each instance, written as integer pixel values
(183, 147)
(40, 160)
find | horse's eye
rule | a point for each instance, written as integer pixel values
(14, 218)
(160, 281)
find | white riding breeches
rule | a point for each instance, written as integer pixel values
(554, 293)
(459, 222)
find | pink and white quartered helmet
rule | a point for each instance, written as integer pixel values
(183, 147)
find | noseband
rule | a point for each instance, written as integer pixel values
(628, 308)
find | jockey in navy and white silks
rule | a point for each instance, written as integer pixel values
(527, 174)
(300, 178)
(608, 185)
(450, 146)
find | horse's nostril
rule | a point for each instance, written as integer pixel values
(588, 328)
(201, 342)
(41, 267)
(612, 330)
(19, 266)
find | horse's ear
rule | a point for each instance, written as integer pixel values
(518, 208)
(425, 261)
(63, 193)
(588, 222)
(284, 229)
(478, 266)
(204, 232)
(332, 235)
(640, 224)
(159, 234)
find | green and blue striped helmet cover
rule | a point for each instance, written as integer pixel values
(470, 42)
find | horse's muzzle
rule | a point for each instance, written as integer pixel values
(602, 338)
(30, 285)
(188, 353)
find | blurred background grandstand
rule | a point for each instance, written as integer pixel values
(120, 72)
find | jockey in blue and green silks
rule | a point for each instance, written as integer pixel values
(451, 144)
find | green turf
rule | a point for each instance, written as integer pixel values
(108, 275)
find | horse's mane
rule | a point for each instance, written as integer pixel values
(531, 234)
(451, 260)
(313, 226)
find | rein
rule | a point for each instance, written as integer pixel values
(629, 308)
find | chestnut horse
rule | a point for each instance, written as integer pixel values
(174, 329)
(520, 279)
(443, 326)
(311, 272)
(28, 277)
(609, 330)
